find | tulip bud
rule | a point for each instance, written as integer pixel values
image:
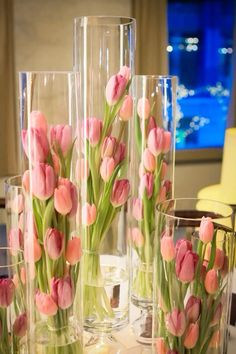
(93, 130)
(186, 261)
(43, 181)
(54, 243)
(137, 209)
(161, 197)
(146, 184)
(215, 340)
(115, 89)
(125, 72)
(176, 322)
(217, 315)
(26, 181)
(119, 154)
(193, 308)
(61, 292)
(61, 136)
(32, 249)
(45, 304)
(38, 120)
(211, 282)
(108, 146)
(62, 200)
(191, 336)
(137, 237)
(167, 248)
(225, 268)
(126, 109)
(89, 214)
(73, 250)
(107, 167)
(120, 192)
(39, 144)
(155, 141)
(161, 347)
(151, 124)
(164, 168)
(20, 325)
(15, 239)
(219, 259)
(7, 292)
(70, 194)
(149, 160)
(206, 230)
(167, 142)
(143, 108)
(56, 163)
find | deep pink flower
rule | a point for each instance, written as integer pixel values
(20, 325)
(39, 146)
(193, 308)
(176, 322)
(43, 181)
(45, 304)
(186, 261)
(7, 292)
(61, 136)
(62, 292)
(119, 153)
(54, 243)
(120, 192)
(115, 89)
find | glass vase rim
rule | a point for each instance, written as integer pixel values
(176, 217)
(154, 77)
(12, 265)
(8, 182)
(130, 20)
(47, 72)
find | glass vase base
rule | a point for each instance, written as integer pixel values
(103, 344)
(142, 328)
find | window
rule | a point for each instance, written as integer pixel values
(200, 54)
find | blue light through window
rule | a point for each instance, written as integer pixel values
(200, 54)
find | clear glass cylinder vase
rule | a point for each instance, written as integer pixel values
(52, 245)
(104, 58)
(151, 170)
(193, 267)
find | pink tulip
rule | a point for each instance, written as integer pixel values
(137, 237)
(73, 250)
(54, 243)
(211, 282)
(186, 261)
(7, 292)
(82, 169)
(15, 239)
(161, 347)
(191, 336)
(161, 197)
(176, 322)
(119, 153)
(215, 340)
(32, 249)
(155, 141)
(43, 181)
(20, 325)
(93, 130)
(38, 120)
(45, 304)
(108, 146)
(39, 148)
(206, 230)
(167, 248)
(143, 108)
(225, 268)
(61, 136)
(62, 199)
(164, 168)
(126, 109)
(217, 315)
(151, 124)
(115, 89)
(167, 142)
(146, 185)
(18, 204)
(137, 209)
(149, 160)
(62, 292)
(26, 181)
(219, 259)
(107, 167)
(193, 308)
(125, 72)
(89, 214)
(56, 163)
(120, 192)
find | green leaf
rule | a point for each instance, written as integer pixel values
(48, 215)
(213, 252)
(68, 159)
(138, 133)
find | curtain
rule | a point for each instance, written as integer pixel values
(151, 54)
(231, 122)
(8, 121)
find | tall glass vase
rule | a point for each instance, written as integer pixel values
(52, 245)
(151, 170)
(193, 267)
(104, 57)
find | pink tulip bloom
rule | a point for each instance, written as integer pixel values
(82, 170)
(167, 142)
(151, 124)
(125, 72)
(7, 292)
(56, 163)
(62, 200)
(146, 185)
(43, 181)
(38, 120)
(191, 336)
(161, 197)
(89, 214)
(93, 130)
(120, 192)
(149, 160)
(15, 239)
(32, 249)
(217, 315)
(164, 168)
(186, 261)
(73, 250)
(137, 209)
(62, 292)
(108, 146)
(26, 181)
(18, 204)
(45, 304)
(161, 347)
(155, 141)
(126, 110)
(119, 153)
(167, 248)
(61, 136)
(206, 230)
(143, 108)
(137, 237)
(39, 144)
(211, 281)
(20, 325)
(193, 308)
(54, 243)
(70, 194)
(176, 322)
(115, 89)
(219, 259)
(107, 168)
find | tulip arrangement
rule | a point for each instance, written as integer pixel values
(107, 190)
(191, 280)
(51, 247)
